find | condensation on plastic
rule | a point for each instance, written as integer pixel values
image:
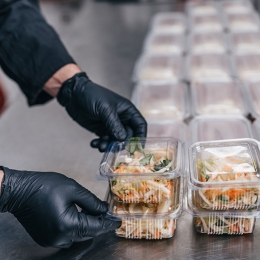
(209, 128)
(151, 229)
(158, 67)
(165, 43)
(244, 42)
(168, 22)
(236, 6)
(202, 8)
(248, 22)
(219, 98)
(209, 67)
(253, 97)
(211, 42)
(162, 101)
(174, 129)
(247, 65)
(207, 23)
(217, 224)
(224, 175)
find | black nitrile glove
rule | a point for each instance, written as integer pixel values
(45, 204)
(101, 111)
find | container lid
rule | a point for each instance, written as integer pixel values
(245, 42)
(176, 129)
(164, 43)
(224, 163)
(256, 129)
(209, 128)
(206, 23)
(209, 67)
(173, 22)
(201, 8)
(210, 42)
(158, 67)
(247, 66)
(219, 98)
(253, 95)
(247, 22)
(162, 100)
(139, 158)
(170, 208)
(236, 6)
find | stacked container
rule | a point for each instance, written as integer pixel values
(223, 186)
(145, 186)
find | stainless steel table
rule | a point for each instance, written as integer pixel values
(105, 39)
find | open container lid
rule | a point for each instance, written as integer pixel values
(225, 163)
(236, 6)
(201, 8)
(165, 100)
(218, 98)
(149, 157)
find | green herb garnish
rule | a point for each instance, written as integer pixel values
(146, 160)
(134, 145)
(163, 164)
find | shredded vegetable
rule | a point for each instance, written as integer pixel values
(223, 225)
(227, 169)
(147, 228)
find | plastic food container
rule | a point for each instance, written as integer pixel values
(201, 8)
(143, 171)
(245, 42)
(162, 100)
(209, 66)
(215, 42)
(247, 66)
(247, 22)
(224, 175)
(253, 96)
(158, 67)
(256, 129)
(236, 6)
(174, 129)
(209, 128)
(169, 22)
(218, 97)
(207, 23)
(164, 43)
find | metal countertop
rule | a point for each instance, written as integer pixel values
(105, 39)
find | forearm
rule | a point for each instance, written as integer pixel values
(30, 50)
(1, 179)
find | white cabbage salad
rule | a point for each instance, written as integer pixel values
(150, 189)
(219, 225)
(147, 228)
(227, 165)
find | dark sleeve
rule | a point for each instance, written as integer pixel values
(30, 50)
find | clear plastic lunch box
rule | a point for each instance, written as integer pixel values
(158, 67)
(253, 97)
(143, 171)
(213, 127)
(236, 6)
(244, 42)
(209, 67)
(218, 98)
(202, 8)
(160, 101)
(168, 22)
(247, 65)
(210, 42)
(206, 23)
(224, 175)
(165, 43)
(256, 129)
(176, 129)
(247, 22)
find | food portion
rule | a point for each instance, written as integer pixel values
(207, 23)
(218, 225)
(227, 106)
(234, 7)
(137, 228)
(248, 41)
(203, 8)
(169, 23)
(226, 165)
(243, 22)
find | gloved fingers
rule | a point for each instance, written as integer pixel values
(138, 124)
(90, 226)
(113, 124)
(89, 202)
(101, 143)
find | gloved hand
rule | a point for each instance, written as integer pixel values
(101, 111)
(45, 204)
